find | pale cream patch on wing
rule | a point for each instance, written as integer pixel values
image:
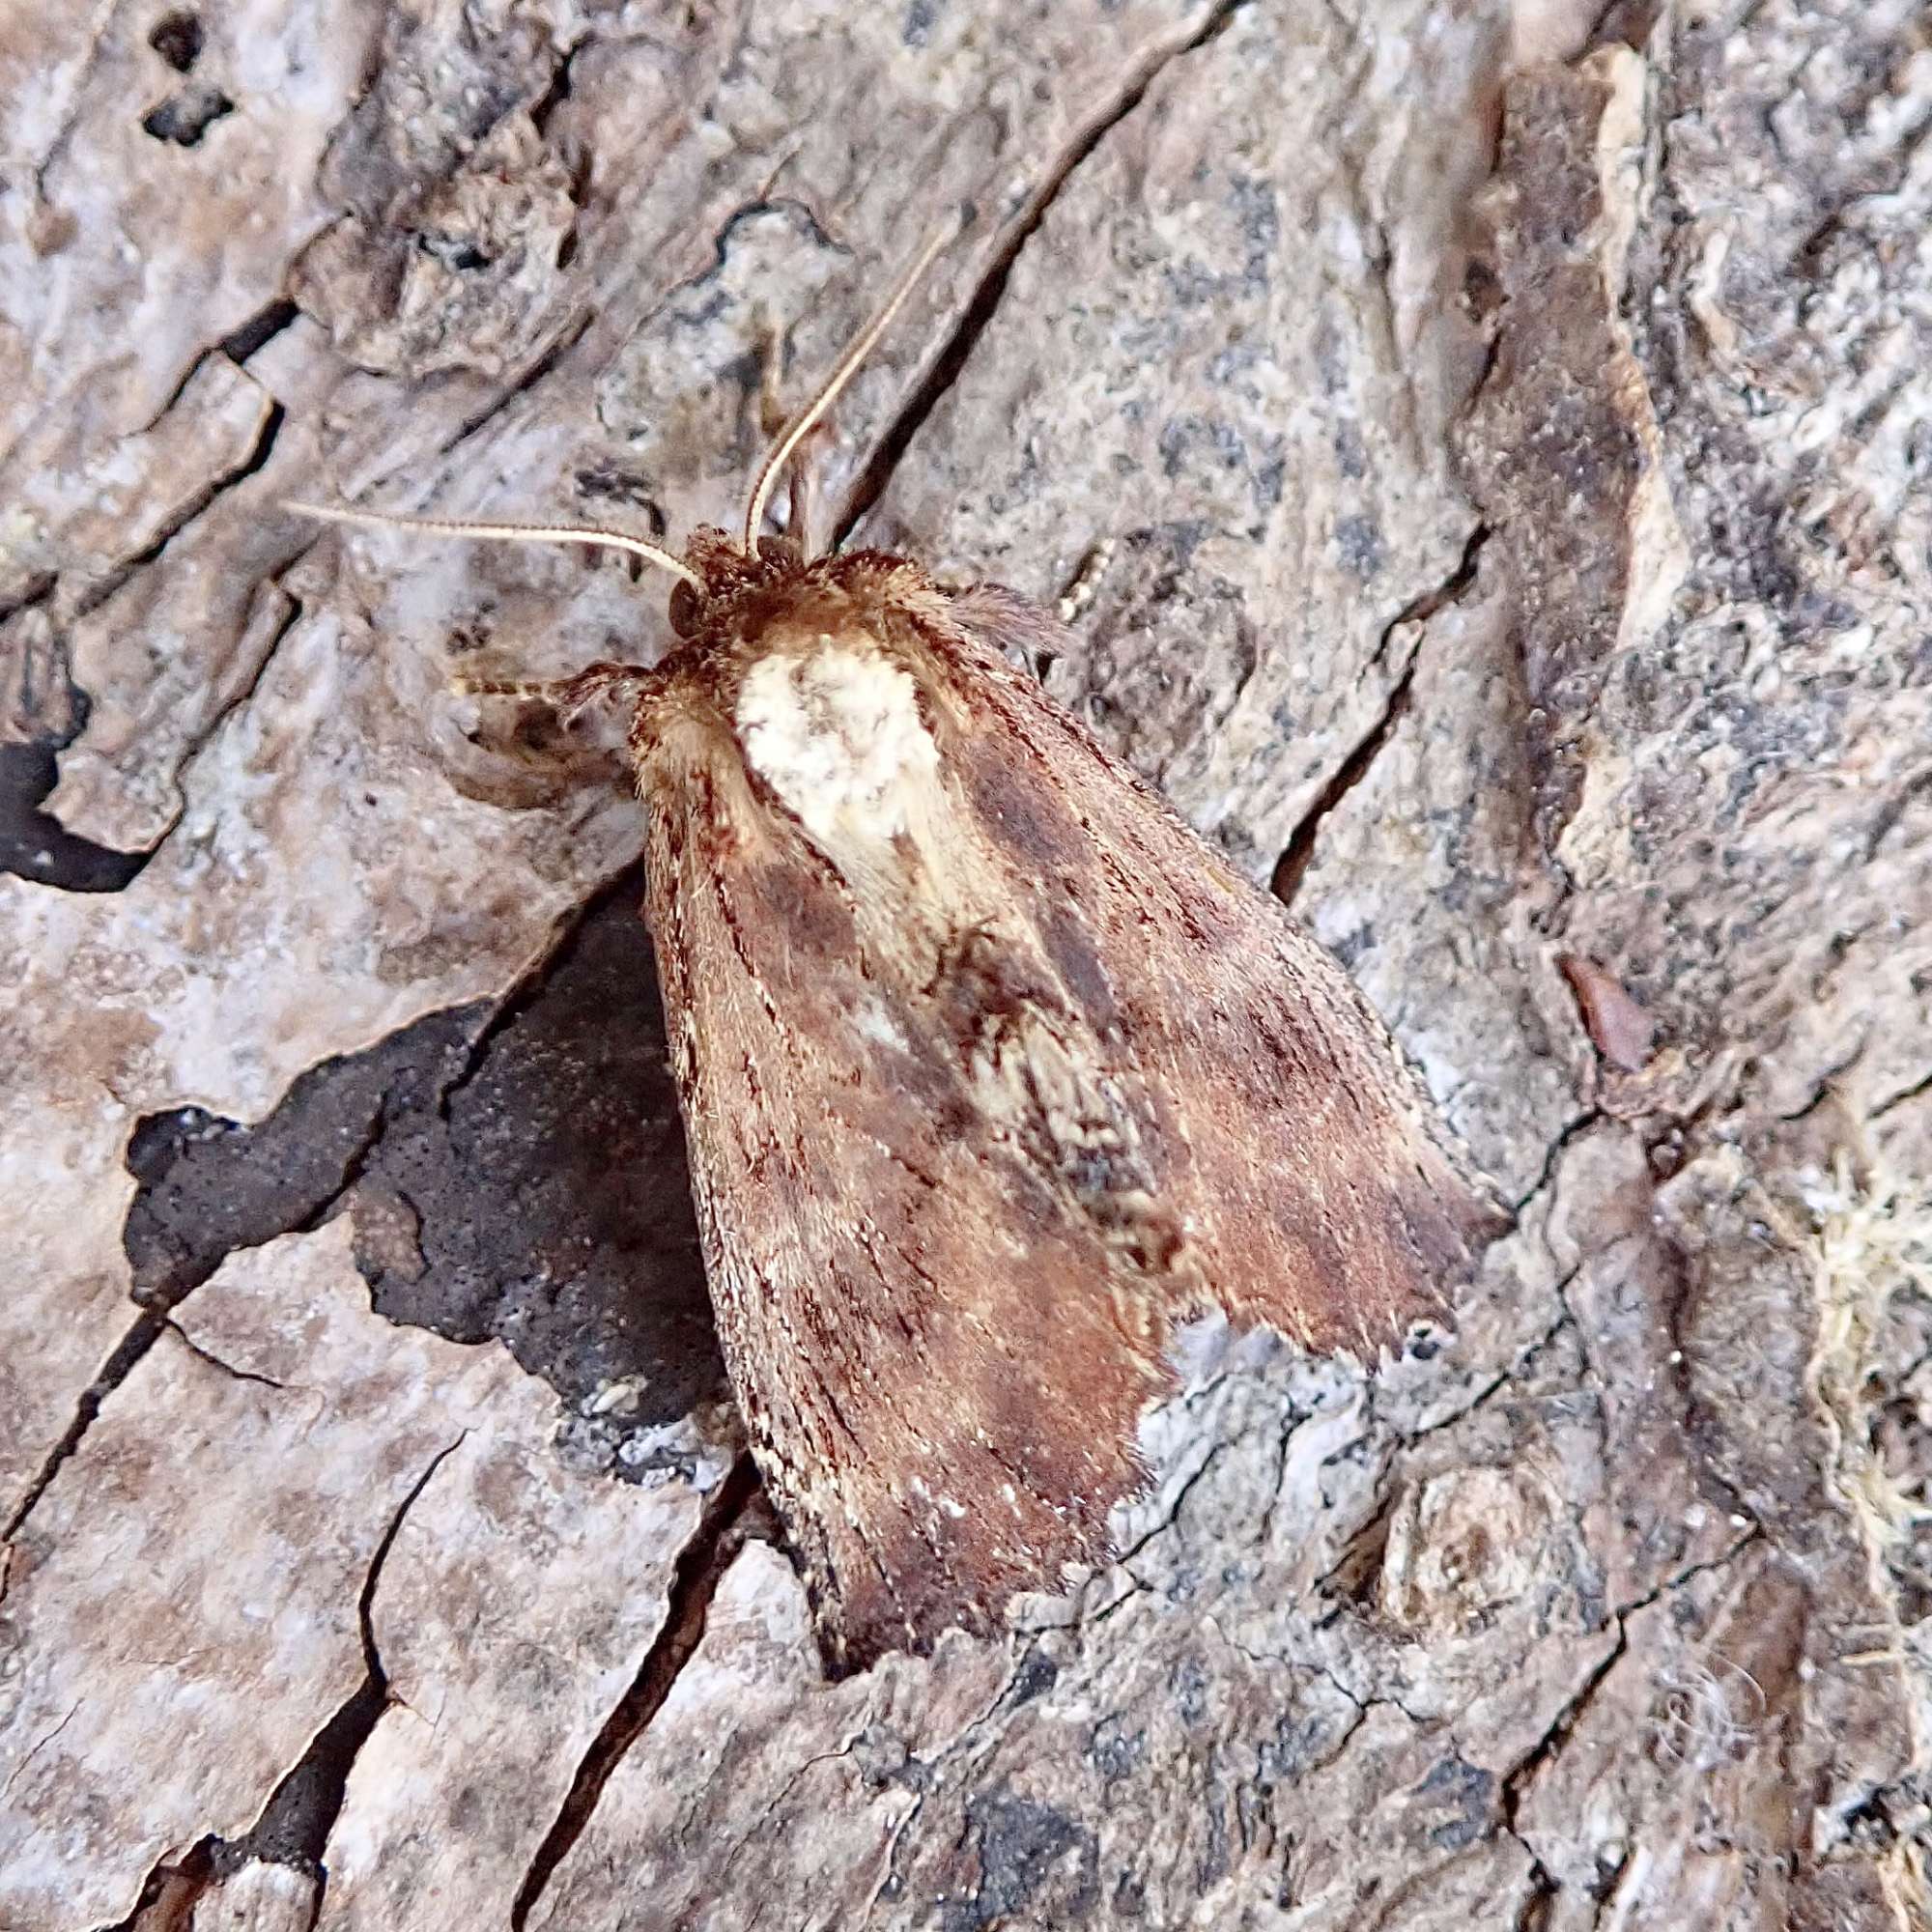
(835, 731)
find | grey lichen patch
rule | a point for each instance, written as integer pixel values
(1023, 1857)
(467, 273)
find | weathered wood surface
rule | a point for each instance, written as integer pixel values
(1502, 438)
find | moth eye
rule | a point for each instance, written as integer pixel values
(686, 611)
(780, 549)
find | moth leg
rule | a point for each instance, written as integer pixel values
(800, 495)
(771, 373)
(772, 419)
(1085, 583)
(570, 696)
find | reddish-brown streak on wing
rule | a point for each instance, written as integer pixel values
(982, 1105)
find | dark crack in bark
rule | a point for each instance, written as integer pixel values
(1292, 865)
(569, 335)
(261, 329)
(730, 1515)
(122, 1360)
(170, 1891)
(211, 1187)
(294, 1826)
(264, 446)
(36, 845)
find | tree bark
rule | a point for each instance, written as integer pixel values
(1489, 447)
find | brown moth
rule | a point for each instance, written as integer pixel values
(993, 1071)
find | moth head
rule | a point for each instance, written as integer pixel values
(725, 569)
(715, 564)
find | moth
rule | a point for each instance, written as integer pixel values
(993, 1071)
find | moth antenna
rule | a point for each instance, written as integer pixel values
(537, 534)
(844, 370)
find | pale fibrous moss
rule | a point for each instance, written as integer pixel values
(1869, 1241)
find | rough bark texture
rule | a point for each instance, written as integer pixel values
(1496, 447)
